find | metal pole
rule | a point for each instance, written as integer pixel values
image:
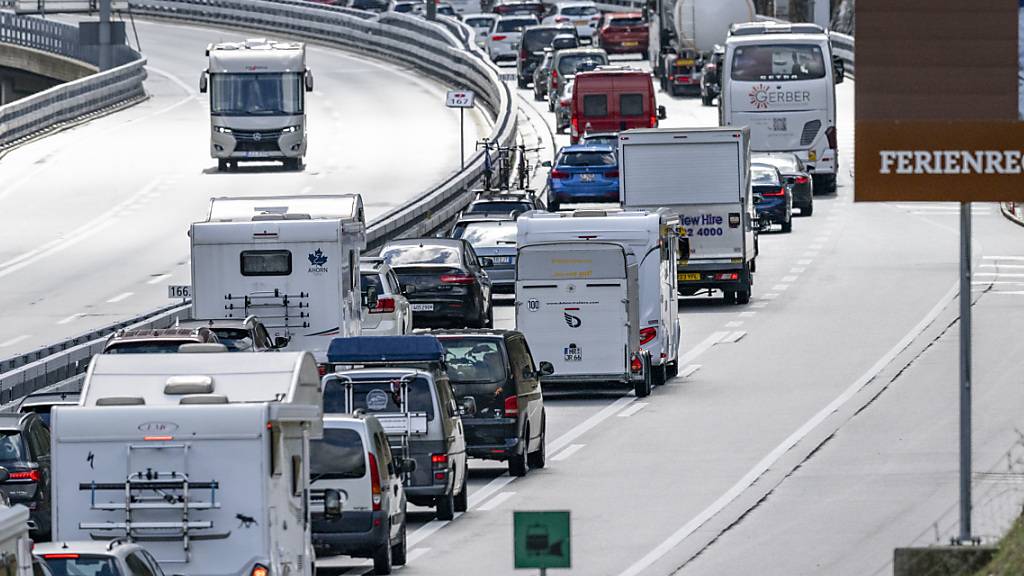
(965, 372)
(462, 136)
(105, 58)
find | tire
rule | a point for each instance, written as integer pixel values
(293, 164)
(462, 498)
(446, 507)
(824, 184)
(490, 317)
(553, 206)
(399, 552)
(645, 55)
(538, 458)
(743, 296)
(517, 462)
(523, 84)
(382, 557)
(551, 105)
(807, 210)
(705, 100)
(537, 96)
(672, 371)
(222, 165)
(787, 226)
(659, 375)
(643, 387)
(730, 296)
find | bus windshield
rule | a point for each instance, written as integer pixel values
(777, 62)
(256, 94)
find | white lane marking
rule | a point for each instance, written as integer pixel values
(790, 278)
(781, 287)
(417, 553)
(71, 318)
(810, 254)
(761, 467)
(569, 451)
(428, 529)
(1013, 258)
(636, 407)
(999, 274)
(478, 496)
(747, 314)
(158, 279)
(120, 297)
(797, 270)
(581, 428)
(770, 296)
(733, 337)
(1011, 293)
(497, 501)
(1009, 266)
(701, 348)
(689, 370)
(734, 324)
(997, 282)
(758, 305)
(14, 340)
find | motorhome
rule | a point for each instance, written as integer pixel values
(703, 176)
(780, 81)
(202, 458)
(291, 261)
(257, 101)
(653, 237)
(577, 303)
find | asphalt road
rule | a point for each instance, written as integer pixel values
(95, 218)
(796, 442)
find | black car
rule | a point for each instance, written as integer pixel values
(794, 175)
(443, 280)
(773, 199)
(25, 453)
(531, 48)
(711, 76)
(495, 369)
(506, 205)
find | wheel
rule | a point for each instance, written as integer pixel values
(446, 506)
(517, 461)
(787, 226)
(490, 317)
(382, 557)
(644, 55)
(642, 388)
(553, 206)
(292, 163)
(659, 375)
(707, 100)
(743, 296)
(222, 165)
(523, 83)
(672, 371)
(551, 105)
(538, 458)
(462, 498)
(807, 210)
(399, 551)
(730, 296)
(824, 183)
(536, 93)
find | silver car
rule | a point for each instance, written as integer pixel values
(481, 25)
(494, 238)
(386, 310)
(507, 31)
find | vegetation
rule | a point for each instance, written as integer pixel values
(1009, 560)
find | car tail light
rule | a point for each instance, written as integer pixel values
(60, 556)
(522, 52)
(512, 406)
(322, 369)
(831, 135)
(561, 19)
(671, 77)
(635, 365)
(384, 305)
(575, 124)
(779, 192)
(558, 174)
(564, 102)
(611, 174)
(654, 121)
(439, 461)
(648, 334)
(31, 476)
(554, 78)
(457, 279)
(374, 481)
(260, 570)
(498, 37)
(801, 180)
(727, 276)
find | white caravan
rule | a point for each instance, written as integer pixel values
(652, 237)
(779, 80)
(15, 544)
(577, 303)
(291, 261)
(703, 175)
(203, 459)
(257, 101)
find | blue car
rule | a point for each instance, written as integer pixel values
(773, 198)
(584, 173)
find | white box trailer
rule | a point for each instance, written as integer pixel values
(293, 261)
(703, 175)
(203, 459)
(577, 303)
(653, 237)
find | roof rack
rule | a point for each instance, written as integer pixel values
(756, 28)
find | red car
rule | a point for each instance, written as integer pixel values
(624, 33)
(613, 99)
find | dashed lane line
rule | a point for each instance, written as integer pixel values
(497, 501)
(636, 407)
(569, 451)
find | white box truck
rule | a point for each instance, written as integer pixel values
(203, 459)
(703, 175)
(653, 238)
(577, 303)
(291, 261)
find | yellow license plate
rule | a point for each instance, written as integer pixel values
(630, 43)
(689, 277)
(682, 62)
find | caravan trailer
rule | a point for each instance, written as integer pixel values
(291, 261)
(202, 458)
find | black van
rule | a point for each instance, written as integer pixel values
(531, 48)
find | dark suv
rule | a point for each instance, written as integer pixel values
(531, 48)
(495, 369)
(25, 453)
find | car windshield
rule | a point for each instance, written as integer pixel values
(81, 565)
(489, 234)
(412, 254)
(580, 10)
(587, 158)
(12, 447)
(479, 23)
(402, 8)
(607, 140)
(339, 454)
(623, 22)
(499, 208)
(147, 347)
(369, 280)
(763, 175)
(473, 360)
(568, 63)
(778, 62)
(236, 339)
(537, 40)
(515, 25)
(256, 94)
(381, 397)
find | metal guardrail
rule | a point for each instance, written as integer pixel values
(843, 46)
(1014, 211)
(46, 35)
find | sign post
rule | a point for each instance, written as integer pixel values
(461, 99)
(542, 540)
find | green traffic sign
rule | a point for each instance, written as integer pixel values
(542, 539)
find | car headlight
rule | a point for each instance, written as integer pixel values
(222, 129)
(291, 129)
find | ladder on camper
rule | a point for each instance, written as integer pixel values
(157, 505)
(275, 308)
(403, 423)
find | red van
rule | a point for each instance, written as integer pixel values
(607, 100)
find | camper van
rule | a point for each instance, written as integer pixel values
(203, 459)
(577, 303)
(291, 261)
(703, 176)
(779, 80)
(652, 236)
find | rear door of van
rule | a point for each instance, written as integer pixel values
(633, 102)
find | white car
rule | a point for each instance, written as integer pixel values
(481, 25)
(386, 310)
(585, 16)
(114, 557)
(503, 41)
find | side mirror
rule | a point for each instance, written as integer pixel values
(308, 78)
(409, 289)
(371, 297)
(203, 80)
(332, 503)
(281, 341)
(662, 114)
(486, 261)
(4, 475)
(546, 163)
(407, 466)
(546, 368)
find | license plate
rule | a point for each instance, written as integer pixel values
(422, 307)
(257, 154)
(779, 125)
(630, 43)
(586, 177)
(583, 22)
(684, 62)
(501, 259)
(689, 276)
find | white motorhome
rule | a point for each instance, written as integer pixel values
(203, 459)
(257, 101)
(292, 261)
(577, 303)
(779, 80)
(703, 175)
(652, 237)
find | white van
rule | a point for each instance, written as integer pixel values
(652, 236)
(779, 80)
(577, 303)
(201, 458)
(291, 261)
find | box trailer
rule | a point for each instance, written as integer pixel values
(291, 261)
(203, 459)
(702, 175)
